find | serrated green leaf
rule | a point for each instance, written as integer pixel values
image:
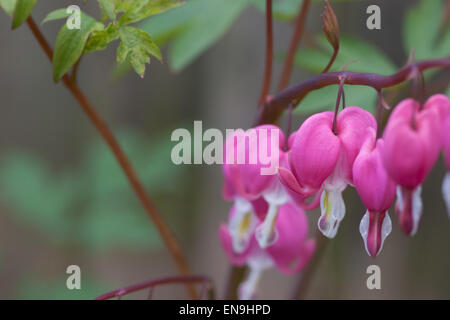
(325, 99)
(70, 44)
(8, 6)
(136, 10)
(22, 10)
(99, 39)
(108, 8)
(421, 27)
(136, 47)
(366, 56)
(56, 15)
(216, 18)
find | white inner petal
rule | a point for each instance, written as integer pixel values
(416, 208)
(386, 229)
(266, 233)
(400, 203)
(332, 212)
(258, 262)
(364, 229)
(241, 225)
(446, 191)
(277, 194)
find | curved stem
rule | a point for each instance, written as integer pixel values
(269, 54)
(340, 96)
(333, 57)
(296, 38)
(108, 136)
(235, 277)
(208, 290)
(280, 102)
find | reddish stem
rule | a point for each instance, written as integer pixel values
(207, 288)
(280, 102)
(333, 57)
(166, 234)
(269, 54)
(296, 38)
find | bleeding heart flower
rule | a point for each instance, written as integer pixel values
(320, 158)
(441, 104)
(289, 253)
(446, 144)
(412, 146)
(377, 192)
(251, 161)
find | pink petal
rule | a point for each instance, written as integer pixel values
(315, 150)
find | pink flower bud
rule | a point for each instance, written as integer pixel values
(412, 145)
(377, 192)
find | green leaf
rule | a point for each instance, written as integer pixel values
(56, 15)
(136, 47)
(108, 8)
(100, 39)
(21, 11)
(165, 26)
(8, 6)
(70, 44)
(366, 57)
(421, 28)
(216, 18)
(136, 10)
(325, 99)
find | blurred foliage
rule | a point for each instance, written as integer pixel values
(91, 204)
(423, 31)
(32, 288)
(325, 99)
(422, 28)
(287, 9)
(359, 56)
(193, 27)
(191, 33)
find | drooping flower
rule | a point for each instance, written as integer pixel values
(412, 146)
(441, 104)
(377, 192)
(251, 159)
(320, 158)
(290, 252)
(446, 144)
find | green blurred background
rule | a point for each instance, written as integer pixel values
(64, 200)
